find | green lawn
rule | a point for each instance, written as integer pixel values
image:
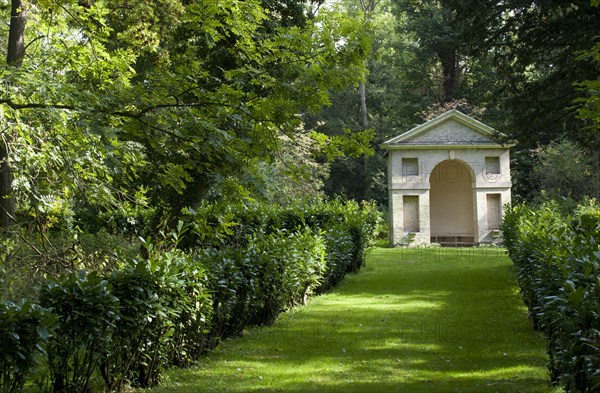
(435, 320)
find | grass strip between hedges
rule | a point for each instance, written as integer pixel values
(428, 320)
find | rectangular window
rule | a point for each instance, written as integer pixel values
(492, 165)
(411, 213)
(410, 167)
(494, 211)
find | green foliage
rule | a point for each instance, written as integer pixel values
(193, 306)
(531, 235)
(126, 118)
(288, 267)
(558, 266)
(566, 169)
(589, 218)
(590, 102)
(349, 144)
(30, 256)
(231, 293)
(23, 330)
(124, 114)
(169, 286)
(128, 326)
(263, 260)
(337, 241)
(86, 312)
(165, 314)
(139, 305)
(294, 172)
(534, 48)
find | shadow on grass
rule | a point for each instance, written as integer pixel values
(411, 321)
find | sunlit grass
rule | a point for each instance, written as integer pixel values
(436, 320)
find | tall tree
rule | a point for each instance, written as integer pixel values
(14, 57)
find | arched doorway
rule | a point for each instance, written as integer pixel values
(451, 203)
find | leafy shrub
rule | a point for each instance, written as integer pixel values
(290, 267)
(219, 226)
(558, 263)
(23, 328)
(363, 222)
(165, 315)
(192, 303)
(358, 221)
(531, 239)
(566, 168)
(339, 246)
(570, 318)
(139, 305)
(86, 312)
(225, 283)
(255, 284)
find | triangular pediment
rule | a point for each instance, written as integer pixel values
(453, 128)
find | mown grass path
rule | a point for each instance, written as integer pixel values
(435, 320)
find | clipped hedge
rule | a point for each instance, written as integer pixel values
(232, 226)
(265, 259)
(231, 267)
(558, 262)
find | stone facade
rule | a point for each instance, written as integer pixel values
(448, 180)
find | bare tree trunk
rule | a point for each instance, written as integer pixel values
(14, 57)
(363, 103)
(7, 200)
(365, 115)
(16, 34)
(448, 60)
(368, 7)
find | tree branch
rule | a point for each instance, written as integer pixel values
(34, 105)
(131, 114)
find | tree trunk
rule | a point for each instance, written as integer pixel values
(7, 200)
(16, 34)
(368, 7)
(448, 60)
(446, 51)
(363, 103)
(14, 57)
